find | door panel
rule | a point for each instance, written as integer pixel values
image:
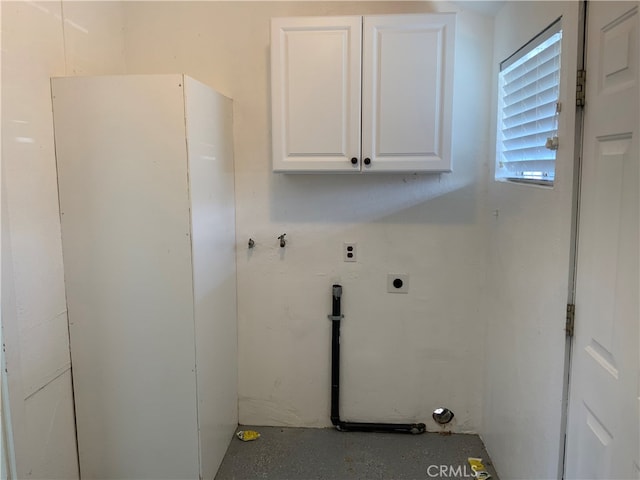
(407, 91)
(124, 205)
(604, 424)
(316, 93)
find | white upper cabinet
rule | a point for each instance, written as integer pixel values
(362, 94)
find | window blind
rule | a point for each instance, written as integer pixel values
(529, 84)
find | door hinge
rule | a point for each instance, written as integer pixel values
(571, 319)
(581, 80)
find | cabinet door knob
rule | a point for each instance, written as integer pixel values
(367, 161)
(354, 161)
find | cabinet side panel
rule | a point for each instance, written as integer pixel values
(122, 175)
(211, 176)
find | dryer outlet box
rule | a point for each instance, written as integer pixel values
(398, 283)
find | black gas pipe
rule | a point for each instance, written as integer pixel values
(336, 317)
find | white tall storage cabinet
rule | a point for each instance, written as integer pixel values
(146, 182)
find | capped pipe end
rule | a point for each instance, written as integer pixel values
(442, 415)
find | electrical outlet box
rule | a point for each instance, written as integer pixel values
(349, 252)
(398, 283)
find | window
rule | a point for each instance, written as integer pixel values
(529, 84)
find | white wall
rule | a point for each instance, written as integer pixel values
(40, 40)
(528, 275)
(403, 355)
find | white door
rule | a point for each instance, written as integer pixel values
(315, 81)
(603, 429)
(407, 91)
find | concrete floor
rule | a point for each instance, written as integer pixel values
(313, 453)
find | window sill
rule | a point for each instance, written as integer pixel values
(548, 184)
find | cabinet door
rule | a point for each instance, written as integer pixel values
(407, 91)
(315, 78)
